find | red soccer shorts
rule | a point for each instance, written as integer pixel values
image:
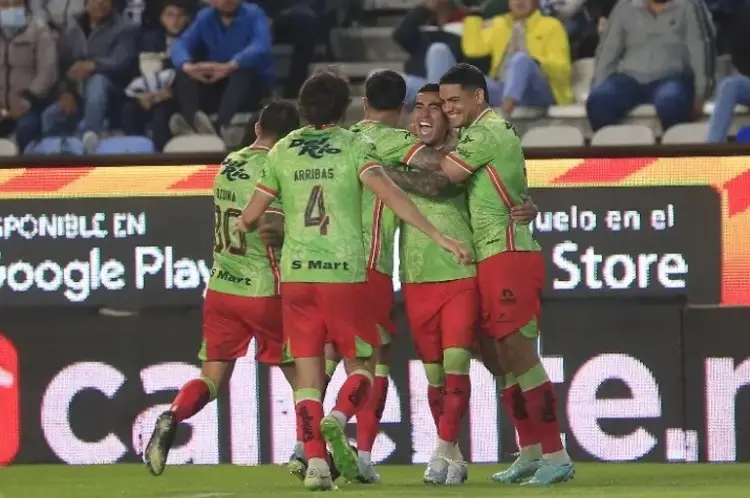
(442, 315)
(230, 323)
(381, 299)
(339, 313)
(510, 287)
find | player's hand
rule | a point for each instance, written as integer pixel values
(459, 249)
(525, 213)
(271, 237)
(240, 226)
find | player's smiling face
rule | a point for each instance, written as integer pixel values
(461, 106)
(428, 119)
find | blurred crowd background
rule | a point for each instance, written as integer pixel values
(141, 76)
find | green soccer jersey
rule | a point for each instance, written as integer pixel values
(423, 260)
(490, 150)
(393, 147)
(242, 264)
(317, 174)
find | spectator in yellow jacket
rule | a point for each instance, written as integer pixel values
(530, 56)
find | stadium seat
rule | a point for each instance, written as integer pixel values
(623, 135)
(743, 135)
(643, 111)
(686, 133)
(8, 148)
(55, 146)
(522, 112)
(125, 145)
(708, 109)
(553, 136)
(195, 143)
(582, 77)
(572, 111)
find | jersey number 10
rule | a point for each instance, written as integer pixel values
(315, 212)
(222, 231)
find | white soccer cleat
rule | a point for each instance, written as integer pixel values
(436, 471)
(367, 473)
(318, 476)
(458, 472)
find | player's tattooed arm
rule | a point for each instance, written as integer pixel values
(424, 175)
(271, 229)
(418, 181)
(375, 179)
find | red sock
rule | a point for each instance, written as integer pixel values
(368, 418)
(309, 415)
(541, 405)
(515, 408)
(435, 395)
(455, 403)
(353, 394)
(191, 399)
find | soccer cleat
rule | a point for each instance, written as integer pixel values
(161, 441)
(458, 472)
(318, 476)
(367, 473)
(518, 471)
(297, 464)
(552, 473)
(436, 471)
(344, 457)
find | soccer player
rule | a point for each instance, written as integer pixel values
(510, 269)
(383, 104)
(242, 300)
(318, 171)
(441, 297)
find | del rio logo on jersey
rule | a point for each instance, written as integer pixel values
(316, 149)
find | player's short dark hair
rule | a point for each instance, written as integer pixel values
(323, 98)
(467, 76)
(279, 118)
(430, 88)
(385, 90)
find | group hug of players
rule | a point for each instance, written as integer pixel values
(305, 221)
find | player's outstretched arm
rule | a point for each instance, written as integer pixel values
(271, 228)
(422, 182)
(382, 186)
(255, 207)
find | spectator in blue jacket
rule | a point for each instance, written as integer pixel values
(99, 54)
(235, 73)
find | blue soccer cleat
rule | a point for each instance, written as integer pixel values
(518, 471)
(552, 473)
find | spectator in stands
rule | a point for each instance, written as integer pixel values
(152, 103)
(653, 51)
(28, 71)
(530, 57)
(297, 23)
(236, 74)
(57, 12)
(99, 53)
(734, 89)
(431, 53)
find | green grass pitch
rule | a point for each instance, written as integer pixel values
(225, 481)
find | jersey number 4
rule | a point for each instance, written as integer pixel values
(315, 212)
(222, 230)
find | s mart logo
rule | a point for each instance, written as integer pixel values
(10, 425)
